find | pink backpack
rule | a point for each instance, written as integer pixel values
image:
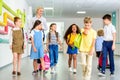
(46, 62)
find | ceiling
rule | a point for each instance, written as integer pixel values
(68, 8)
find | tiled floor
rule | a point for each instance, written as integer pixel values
(62, 71)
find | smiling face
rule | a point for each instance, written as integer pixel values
(18, 23)
(74, 29)
(106, 21)
(53, 27)
(88, 25)
(40, 11)
(39, 26)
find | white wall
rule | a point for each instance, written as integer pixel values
(97, 22)
(5, 52)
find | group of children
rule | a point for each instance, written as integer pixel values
(103, 44)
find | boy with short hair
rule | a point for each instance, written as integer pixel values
(87, 48)
(108, 44)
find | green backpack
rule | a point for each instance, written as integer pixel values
(77, 41)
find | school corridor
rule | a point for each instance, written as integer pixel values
(30, 28)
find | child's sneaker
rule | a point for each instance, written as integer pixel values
(45, 72)
(14, 73)
(70, 69)
(52, 71)
(112, 75)
(74, 71)
(55, 68)
(34, 72)
(101, 74)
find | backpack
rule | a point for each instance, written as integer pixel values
(77, 41)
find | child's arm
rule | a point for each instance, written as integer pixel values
(10, 39)
(47, 43)
(32, 42)
(92, 47)
(93, 44)
(60, 43)
(114, 40)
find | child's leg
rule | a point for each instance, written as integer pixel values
(83, 64)
(75, 61)
(14, 61)
(51, 55)
(19, 61)
(35, 65)
(111, 58)
(70, 60)
(42, 63)
(55, 52)
(104, 53)
(89, 66)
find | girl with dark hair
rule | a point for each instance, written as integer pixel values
(69, 37)
(53, 39)
(37, 46)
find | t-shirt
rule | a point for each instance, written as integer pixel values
(53, 38)
(86, 42)
(98, 43)
(71, 38)
(108, 32)
(32, 33)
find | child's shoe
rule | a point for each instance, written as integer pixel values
(34, 72)
(14, 73)
(52, 71)
(74, 71)
(70, 69)
(18, 73)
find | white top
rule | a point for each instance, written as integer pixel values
(11, 37)
(32, 32)
(42, 19)
(108, 32)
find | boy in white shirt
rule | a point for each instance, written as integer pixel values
(108, 45)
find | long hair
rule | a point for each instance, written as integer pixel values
(56, 33)
(69, 31)
(37, 22)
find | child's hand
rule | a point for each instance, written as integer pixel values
(61, 48)
(35, 50)
(85, 31)
(113, 47)
(10, 46)
(91, 52)
(24, 46)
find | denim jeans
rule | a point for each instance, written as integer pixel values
(107, 49)
(53, 54)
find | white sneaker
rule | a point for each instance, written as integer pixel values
(74, 71)
(101, 74)
(70, 69)
(52, 71)
(55, 68)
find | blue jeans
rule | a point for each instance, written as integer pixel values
(53, 54)
(107, 49)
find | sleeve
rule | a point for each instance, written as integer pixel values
(32, 34)
(31, 23)
(45, 25)
(10, 37)
(113, 29)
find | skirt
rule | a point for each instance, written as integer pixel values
(72, 50)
